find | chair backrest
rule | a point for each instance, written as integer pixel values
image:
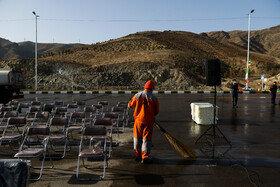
(17, 121)
(118, 109)
(35, 108)
(89, 109)
(10, 114)
(81, 103)
(59, 121)
(36, 103)
(111, 115)
(48, 106)
(61, 109)
(93, 131)
(103, 121)
(98, 106)
(72, 107)
(13, 103)
(78, 115)
(6, 108)
(59, 103)
(123, 103)
(42, 115)
(23, 105)
(104, 103)
(41, 130)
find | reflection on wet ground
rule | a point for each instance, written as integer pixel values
(252, 129)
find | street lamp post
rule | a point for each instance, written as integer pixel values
(248, 51)
(36, 16)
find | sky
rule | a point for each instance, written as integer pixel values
(91, 21)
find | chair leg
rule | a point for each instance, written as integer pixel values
(110, 147)
(104, 167)
(117, 138)
(78, 166)
(52, 165)
(42, 167)
(85, 179)
(64, 148)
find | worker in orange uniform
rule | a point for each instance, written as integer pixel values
(146, 108)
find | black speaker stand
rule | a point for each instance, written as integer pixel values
(214, 125)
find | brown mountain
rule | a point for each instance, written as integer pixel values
(265, 41)
(174, 49)
(12, 50)
(173, 59)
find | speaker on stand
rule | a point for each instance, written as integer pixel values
(213, 72)
(213, 78)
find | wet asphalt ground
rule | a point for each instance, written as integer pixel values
(252, 129)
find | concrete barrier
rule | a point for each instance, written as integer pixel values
(136, 91)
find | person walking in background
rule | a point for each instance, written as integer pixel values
(146, 108)
(273, 91)
(234, 93)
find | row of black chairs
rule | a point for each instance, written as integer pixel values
(52, 124)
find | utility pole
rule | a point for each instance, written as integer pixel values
(248, 51)
(36, 80)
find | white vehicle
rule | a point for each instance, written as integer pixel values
(11, 81)
(249, 88)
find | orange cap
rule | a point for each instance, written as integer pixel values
(149, 85)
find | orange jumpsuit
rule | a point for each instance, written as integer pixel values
(146, 108)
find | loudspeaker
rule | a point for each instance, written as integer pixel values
(213, 72)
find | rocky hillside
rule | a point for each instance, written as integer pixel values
(265, 41)
(11, 50)
(173, 59)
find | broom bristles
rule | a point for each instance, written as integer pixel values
(182, 148)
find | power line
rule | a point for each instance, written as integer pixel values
(139, 20)
(14, 20)
(145, 20)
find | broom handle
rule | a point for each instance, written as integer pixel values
(160, 128)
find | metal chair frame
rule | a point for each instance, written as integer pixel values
(61, 111)
(32, 112)
(88, 132)
(49, 107)
(76, 123)
(114, 116)
(14, 122)
(5, 117)
(23, 109)
(121, 111)
(108, 123)
(39, 117)
(72, 108)
(41, 133)
(91, 110)
(59, 135)
(99, 109)
(125, 105)
(105, 105)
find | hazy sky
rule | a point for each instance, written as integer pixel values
(91, 21)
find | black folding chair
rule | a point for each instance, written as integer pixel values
(35, 145)
(58, 134)
(86, 149)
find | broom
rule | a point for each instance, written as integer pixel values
(183, 149)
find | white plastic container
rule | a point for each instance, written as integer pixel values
(203, 113)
